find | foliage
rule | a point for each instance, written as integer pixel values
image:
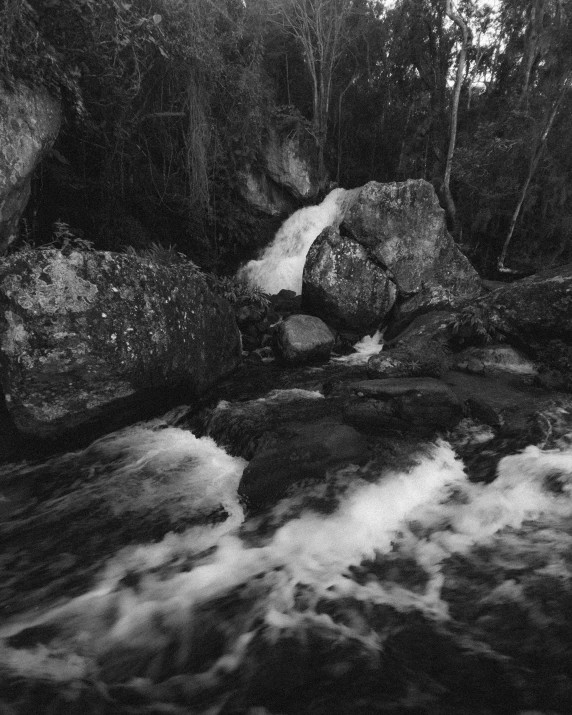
(167, 100)
(434, 361)
(238, 292)
(472, 326)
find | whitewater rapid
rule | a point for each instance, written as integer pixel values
(151, 599)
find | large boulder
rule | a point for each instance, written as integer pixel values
(101, 338)
(263, 194)
(286, 174)
(403, 226)
(391, 235)
(291, 160)
(304, 338)
(533, 310)
(343, 285)
(29, 124)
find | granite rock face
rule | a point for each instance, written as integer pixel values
(391, 243)
(403, 226)
(344, 286)
(29, 124)
(534, 309)
(86, 337)
(287, 173)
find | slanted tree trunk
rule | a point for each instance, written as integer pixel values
(533, 166)
(446, 188)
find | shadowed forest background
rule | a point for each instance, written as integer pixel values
(167, 101)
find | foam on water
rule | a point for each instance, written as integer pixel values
(425, 515)
(282, 263)
(369, 345)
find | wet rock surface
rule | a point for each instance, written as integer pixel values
(86, 337)
(423, 405)
(494, 360)
(297, 453)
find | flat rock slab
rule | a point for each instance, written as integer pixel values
(423, 405)
(297, 453)
(505, 405)
(396, 387)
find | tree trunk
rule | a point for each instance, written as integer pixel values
(534, 161)
(446, 189)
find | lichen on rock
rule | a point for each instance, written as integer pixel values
(80, 333)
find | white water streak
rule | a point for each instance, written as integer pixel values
(429, 513)
(282, 263)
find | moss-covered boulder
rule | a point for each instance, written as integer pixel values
(100, 339)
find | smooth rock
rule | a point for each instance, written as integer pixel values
(263, 194)
(286, 173)
(29, 124)
(100, 338)
(344, 286)
(424, 405)
(494, 360)
(296, 453)
(304, 338)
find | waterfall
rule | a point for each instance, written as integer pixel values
(282, 262)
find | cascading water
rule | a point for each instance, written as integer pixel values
(282, 263)
(420, 593)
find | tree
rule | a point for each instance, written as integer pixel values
(461, 61)
(321, 29)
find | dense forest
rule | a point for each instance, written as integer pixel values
(166, 100)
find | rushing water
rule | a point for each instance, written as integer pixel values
(282, 262)
(133, 582)
(420, 592)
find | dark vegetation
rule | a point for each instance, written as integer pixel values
(165, 100)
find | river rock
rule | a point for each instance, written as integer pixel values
(296, 453)
(423, 405)
(304, 338)
(421, 350)
(535, 309)
(29, 124)
(404, 227)
(102, 338)
(343, 285)
(496, 360)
